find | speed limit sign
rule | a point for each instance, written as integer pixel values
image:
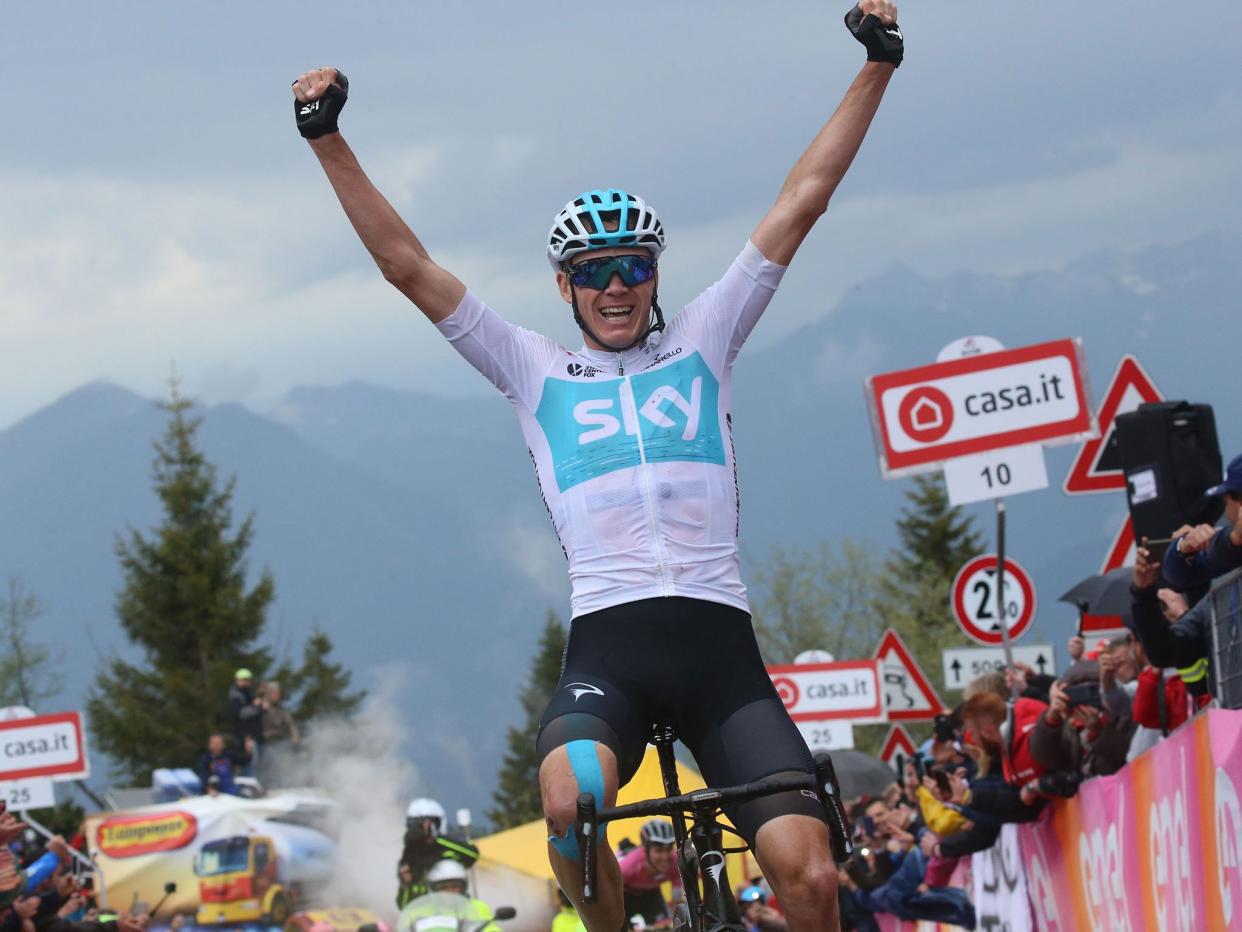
(974, 600)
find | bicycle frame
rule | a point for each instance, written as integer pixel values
(706, 865)
(707, 839)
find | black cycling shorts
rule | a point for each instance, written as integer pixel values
(691, 664)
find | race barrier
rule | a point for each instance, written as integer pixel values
(1156, 846)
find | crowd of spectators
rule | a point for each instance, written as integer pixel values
(40, 891)
(1020, 739)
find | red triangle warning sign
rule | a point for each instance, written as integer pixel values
(1096, 467)
(908, 693)
(897, 743)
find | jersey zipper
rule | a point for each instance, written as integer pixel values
(648, 493)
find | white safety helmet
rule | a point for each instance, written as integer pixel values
(657, 832)
(446, 871)
(424, 808)
(582, 225)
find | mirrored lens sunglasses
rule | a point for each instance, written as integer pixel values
(597, 273)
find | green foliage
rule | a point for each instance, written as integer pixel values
(27, 676)
(817, 598)
(185, 604)
(516, 799)
(318, 688)
(936, 539)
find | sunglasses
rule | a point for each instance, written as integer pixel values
(597, 273)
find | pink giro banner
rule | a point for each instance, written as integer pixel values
(1156, 846)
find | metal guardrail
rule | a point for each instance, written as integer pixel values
(1226, 598)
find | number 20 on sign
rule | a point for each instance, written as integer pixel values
(974, 600)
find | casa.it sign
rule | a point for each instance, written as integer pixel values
(43, 746)
(131, 836)
(926, 415)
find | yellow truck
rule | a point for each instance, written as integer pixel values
(261, 877)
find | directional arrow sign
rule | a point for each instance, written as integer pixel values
(963, 664)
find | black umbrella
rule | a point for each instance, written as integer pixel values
(1107, 594)
(861, 774)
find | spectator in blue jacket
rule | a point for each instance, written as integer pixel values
(1200, 554)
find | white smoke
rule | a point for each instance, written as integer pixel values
(359, 764)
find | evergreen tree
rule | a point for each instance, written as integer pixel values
(186, 606)
(934, 534)
(318, 688)
(936, 539)
(26, 674)
(516, 799)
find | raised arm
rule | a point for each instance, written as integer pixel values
(320, 95)
(804, 196)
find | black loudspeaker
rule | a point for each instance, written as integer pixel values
(1170, 456)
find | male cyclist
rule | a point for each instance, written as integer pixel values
(645, 868)
(631, 437)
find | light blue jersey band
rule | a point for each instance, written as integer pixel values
(584, 762)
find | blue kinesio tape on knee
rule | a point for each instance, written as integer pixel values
(585, 764)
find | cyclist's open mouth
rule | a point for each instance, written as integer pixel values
(616, 313)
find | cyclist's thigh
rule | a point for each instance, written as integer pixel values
(590, 705)
(737, 727)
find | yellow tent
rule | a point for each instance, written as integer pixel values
(525, 848)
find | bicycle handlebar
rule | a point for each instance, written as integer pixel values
(823, 783)
(688, 802)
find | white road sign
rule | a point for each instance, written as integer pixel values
(973, 600)
(827, 736)
(816, 692)
(997, 474)
(927, 415)
(20, 795)
(44, 746)
(963, 664)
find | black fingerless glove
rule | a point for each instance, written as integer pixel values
(883, 43)
(318, 117)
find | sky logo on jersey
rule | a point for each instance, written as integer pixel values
(593, 428)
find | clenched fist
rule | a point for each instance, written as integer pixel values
(319, 97)
(874, 24)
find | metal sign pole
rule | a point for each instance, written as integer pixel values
(1006, 643)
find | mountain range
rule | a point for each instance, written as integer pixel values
(409, 526)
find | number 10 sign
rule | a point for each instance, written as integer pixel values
(974, 600)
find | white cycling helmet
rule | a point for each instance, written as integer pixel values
(446, 871)
(583, 224)
(424, 808)
(657, 832)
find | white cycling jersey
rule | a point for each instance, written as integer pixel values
(634, 451)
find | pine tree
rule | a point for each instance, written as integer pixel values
(516, 799)
(936, 539)
(186, 606)
(318, 688)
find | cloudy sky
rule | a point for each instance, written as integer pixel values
(157, 207)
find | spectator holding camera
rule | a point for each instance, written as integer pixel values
(1200, 554)
(1076, 734)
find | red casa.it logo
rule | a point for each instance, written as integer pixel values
(787, 689)
(925, 414)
